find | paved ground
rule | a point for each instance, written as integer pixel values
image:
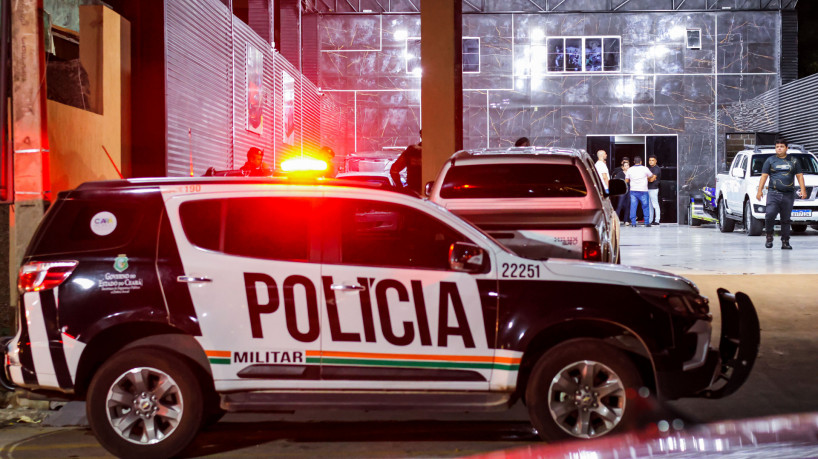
(782, 284)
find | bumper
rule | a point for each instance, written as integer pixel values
(725, 369)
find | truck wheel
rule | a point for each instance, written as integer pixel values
(753, 225)
(691, 219)
(798, 227)
(578, 390)
(144, 403)
(726, 225)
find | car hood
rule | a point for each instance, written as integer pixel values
(618, 274)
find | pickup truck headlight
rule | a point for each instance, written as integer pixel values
(678, 302)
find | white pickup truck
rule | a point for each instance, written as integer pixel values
(736, 191)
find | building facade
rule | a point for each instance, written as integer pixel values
(661, 77)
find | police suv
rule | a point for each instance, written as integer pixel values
(166, 302)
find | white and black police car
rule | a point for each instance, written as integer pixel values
(166, 302)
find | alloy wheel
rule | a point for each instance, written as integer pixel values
(144, 405)
(586, 399)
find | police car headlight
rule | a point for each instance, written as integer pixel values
(760, 208)
(678, 302)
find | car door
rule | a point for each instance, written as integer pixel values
(733, 191)
(398, 317)
(251, 264)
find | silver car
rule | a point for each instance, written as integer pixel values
(540, 202)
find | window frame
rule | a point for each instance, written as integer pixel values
(409, 71)
(687, 38)
(584, 69)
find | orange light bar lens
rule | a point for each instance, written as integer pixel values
(303, 165)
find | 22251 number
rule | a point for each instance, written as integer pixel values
(520, 271)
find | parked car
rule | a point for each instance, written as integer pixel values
(165, 302)
(736, 191)
(539, 202)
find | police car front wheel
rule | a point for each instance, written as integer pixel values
(578, 390)
(142, 403)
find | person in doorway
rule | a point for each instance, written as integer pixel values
(522, 142)
(637, 177)
(653, 190)
(409, 159)
(782, 170)
(255, 166)
(623, 205)
(602, 168)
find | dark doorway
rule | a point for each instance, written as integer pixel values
(665, 150)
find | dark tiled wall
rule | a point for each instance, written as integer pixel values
(663, 87)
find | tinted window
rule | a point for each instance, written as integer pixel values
(70, 226)
(808, 163)
(384, 234)
(513, 181)
(270, 228)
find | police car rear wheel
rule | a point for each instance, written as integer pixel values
(141, 404)
(578, 390)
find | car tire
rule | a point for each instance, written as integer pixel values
(562, 405)
(127, 395)
(691, 219)
(726, 225)
(798, 227)
(753, 225)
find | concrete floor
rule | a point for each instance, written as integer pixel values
(684, 250)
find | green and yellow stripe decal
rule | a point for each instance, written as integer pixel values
(218, 357)
(478, 362)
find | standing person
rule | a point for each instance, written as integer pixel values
(623, 206)
(255, 165)
(602, 168)
(653, 190)
(327, 155)
(782, 171)
(409, 159)
(637, 176)
(522, 142)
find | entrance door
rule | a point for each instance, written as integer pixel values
(664, 147)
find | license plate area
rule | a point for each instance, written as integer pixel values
(802, 212)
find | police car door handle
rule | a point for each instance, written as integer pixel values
(347, 287)
(193, 280)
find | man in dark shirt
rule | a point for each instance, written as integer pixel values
(782, 171)
(653, 190)
(255, 165)
(409, 159)
(623, 206)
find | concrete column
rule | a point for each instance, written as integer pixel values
(30, 138)
(441, 83)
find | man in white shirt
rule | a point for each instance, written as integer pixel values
(638, 177)
(602, 168)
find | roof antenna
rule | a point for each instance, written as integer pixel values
(112, 162)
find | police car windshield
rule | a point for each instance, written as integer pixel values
(513, 181)
(808, 163)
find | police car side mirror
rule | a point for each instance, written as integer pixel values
(738, 173)
(428, 188)
(616, 187)
(466, 257)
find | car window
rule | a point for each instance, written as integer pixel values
(743, 165)
(391, 235)
(809, 165)
(257, 227)
(513, 181)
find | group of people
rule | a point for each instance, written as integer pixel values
(643, 187)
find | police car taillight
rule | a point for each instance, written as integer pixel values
(38, 276)
(591, 251)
